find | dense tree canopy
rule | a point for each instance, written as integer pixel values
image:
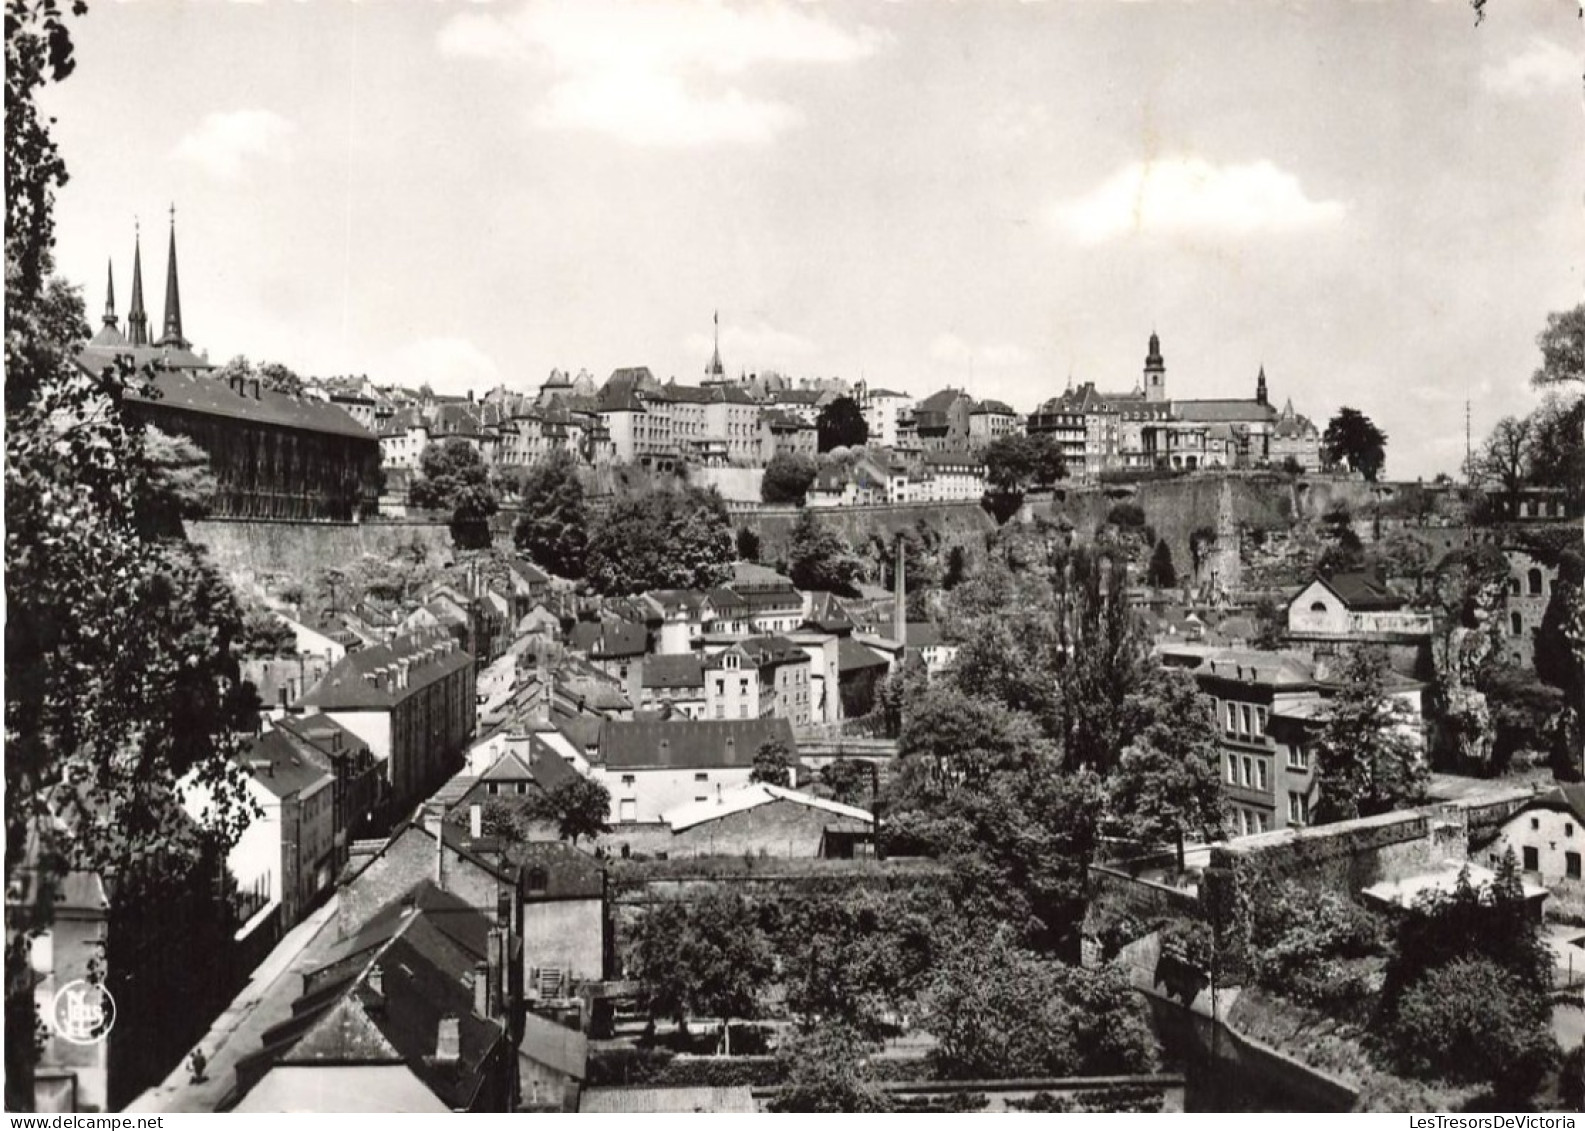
(787, 478)
(120, 679)
(828, 1069)
(661, 540)
(1000, 1011)
(454, 478)
(1167, 785)
(1352, 440)
(773, 763)
(1368, 755)
(819, 559)
(708, 958)
(553, 528)
(1562, 346)
(841, 425)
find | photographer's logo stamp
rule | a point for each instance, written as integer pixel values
(83, 1013)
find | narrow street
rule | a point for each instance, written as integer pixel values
(265, 1001)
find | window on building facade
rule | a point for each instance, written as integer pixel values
(1260, 775)
(1534, 579)
(1535, 823)
(1232, 769)
(1245, 717)
(1571, 862)
(1532, 859)
(1261, 715)
(1232, 718)
(1515, 624)
(1249, 772)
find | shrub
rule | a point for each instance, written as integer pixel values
(1472, 1022)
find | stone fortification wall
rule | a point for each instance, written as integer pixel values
(301, 549)
(959, 524)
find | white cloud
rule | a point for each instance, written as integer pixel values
(990, 355)
(448, 365)
(223, 143)
(656, 72)
(752, 347)
(1191, 196)
(1543, 65)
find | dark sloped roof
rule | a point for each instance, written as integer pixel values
(674, 671)
(609, 639)
(1565, 798)
(1363, 591)
(280, 767)
(1219, 411)
(852, 656)
(689, 743)
(200, 392)
(347, 686)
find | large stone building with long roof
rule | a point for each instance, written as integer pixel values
(273, 454)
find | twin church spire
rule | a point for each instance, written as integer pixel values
(137, 318)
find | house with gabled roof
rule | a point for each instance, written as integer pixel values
(651, 767)
(412, 700)
(1547, 838)
(1353, 607)
(424, 991)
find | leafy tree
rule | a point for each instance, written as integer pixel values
(1271, 625)
(1313, 945)
(264, 634)
(818, 558)
(661, 540)
(1128, 516)
(1368, 752)
(270, 374)
(859, 956)
(980, 788)
(454, 477)
(748, 544)
(96, 583)
(1504, 460)
(1016, 464)
(708, 958)
(827, 1069)
(1352, 439)
(1557, 446)
(773, 763)
(841, 425)
(787, 478)
(1001, 1011)
(1167, 785)
(1201, 542)
(1571, 1079)
(579, 806)
(1470, 1022)
(1162, 573)
(1562, 346)
(848, 780)
(553, 529)
(1106, 659)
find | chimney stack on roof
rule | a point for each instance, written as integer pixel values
(448, 1039)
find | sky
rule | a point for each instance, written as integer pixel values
(1378, 201)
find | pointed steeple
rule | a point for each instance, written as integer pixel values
(110, 319)
(173, 298)
(109, 334)
(1260, 386)
(137, 320)
(715, 372)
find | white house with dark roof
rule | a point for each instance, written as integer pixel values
(412, 700)
(1547, 838)
(651, 768)
(1353, 607)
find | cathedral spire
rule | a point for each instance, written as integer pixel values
(715, 371)
(1260, 387)
(110, 295)
(173, 298)
(137, 320)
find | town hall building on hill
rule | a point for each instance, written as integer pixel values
(1145, 430)
(274, 455)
